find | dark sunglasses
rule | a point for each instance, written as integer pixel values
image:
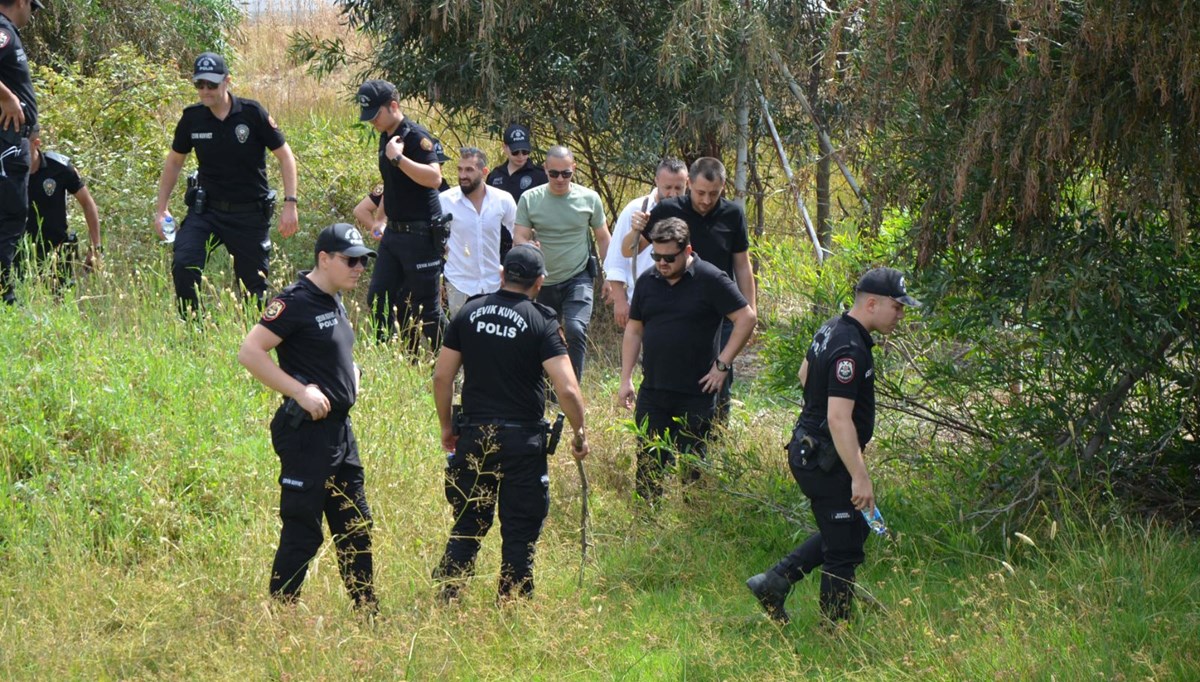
(205, 85)
(666, 257)
(519, 152)
(560, 174)
(355, 261)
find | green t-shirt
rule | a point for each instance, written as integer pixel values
(562, 224)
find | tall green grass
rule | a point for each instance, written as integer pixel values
(138, 521)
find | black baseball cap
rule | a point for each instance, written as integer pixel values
(886, 282)
(210, 67)
(342, 238)
(372, 95)
(524, 263)
(517, 137)
(440, 150)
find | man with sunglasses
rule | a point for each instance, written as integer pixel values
(676, 311)
(559, 216)
(18, 117)
(321, 474)
(230, 202)
(406, 285)
(518, 175)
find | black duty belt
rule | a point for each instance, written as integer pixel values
(500, 423)
(235, 207)
(420, 227)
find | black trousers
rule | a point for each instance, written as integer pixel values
(14, 209)
(672, 423)
(504, 469)
(63, 255)
(321, 476)
(246, 237)
(838, 543)
(406, 289)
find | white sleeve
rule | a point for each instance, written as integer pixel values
(616, 266)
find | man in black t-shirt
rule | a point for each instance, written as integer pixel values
(232, 204)
(520, 173)
(826, 450)
(18, 116)
(51, 178)
(321, 474)
(496, 448)
(719, 235)
(405, 288)
(676, 310)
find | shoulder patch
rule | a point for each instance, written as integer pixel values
(64, 160)
(5, 39)
(845, 370)
(273, 310)
(426, 144)
(271, 122)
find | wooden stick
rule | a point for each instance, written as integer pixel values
(584, 517)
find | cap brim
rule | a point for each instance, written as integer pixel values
(37, 4)
(520, 147)
(217, 78)
(355, 251)
(368, 113)
(908, 300)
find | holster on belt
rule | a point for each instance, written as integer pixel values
(554, 434)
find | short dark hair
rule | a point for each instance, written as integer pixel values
(670, 230)
(671, 165)
(708, 168)
(476, 153)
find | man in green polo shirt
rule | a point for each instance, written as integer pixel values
(557, 216)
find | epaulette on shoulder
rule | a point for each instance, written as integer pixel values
(55, 156)
(472, 298)
(550, 313)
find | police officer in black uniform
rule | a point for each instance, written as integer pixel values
(321, 474)
(826, 450)
(18, 116)
(231, 203)
(497, 446)
(406, 284)
(51, 178)
(518, 175)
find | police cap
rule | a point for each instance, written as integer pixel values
(210, 67)
(344, 239)
(523, 264)
(517, 137)
(886, 282)
(372, 95)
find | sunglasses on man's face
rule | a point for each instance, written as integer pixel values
(560, 174)
(355, 261)
(206, 85)
(666, 257)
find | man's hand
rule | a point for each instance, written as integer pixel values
(449, 439)
(579, 447)
(377, 231)
(289, 219)
(620, 310)
(12, 115)
(714, 380)
(313, 401)
(156, 223)
(626, 395)
(638, 222)
(92, 260)
(862, 493)
(606, 294)
(394, 148)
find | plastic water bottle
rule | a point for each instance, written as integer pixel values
(168, 229)
(875, 521)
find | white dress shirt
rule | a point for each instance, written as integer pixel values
(616, 266)
(473, 261)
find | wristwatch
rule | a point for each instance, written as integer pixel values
(395, 161)
(292, 198)
(723, 366)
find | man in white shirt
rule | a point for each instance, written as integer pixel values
(670, 180)
(473, 250)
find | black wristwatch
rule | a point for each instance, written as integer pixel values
(292, 198)
(722, 366)
(395, 161)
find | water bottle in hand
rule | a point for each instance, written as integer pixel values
(168, 230)
(875, 521)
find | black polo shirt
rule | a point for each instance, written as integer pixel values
(504, 338)
(404, 199)
(231, 153)
(840, 365)
(14, 69)
(680, 322)
(527, 177)
(715, 236)
(48, 189)
(317, 339)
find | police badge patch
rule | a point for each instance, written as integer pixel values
(4, 38)
(426, 144)
(243, 132)
(526, 181)
(274, 310)
(48, 186)
(845, 370)
(364, 101)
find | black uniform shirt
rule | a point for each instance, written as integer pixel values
(680, 322)
(317, 339)
(527, 177)
(48, 189)
(840, 365)
(504, 338)
(716, 236)
(14, 69)
(231, 153)
(404, 199)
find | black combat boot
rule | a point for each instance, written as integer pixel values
(771, 590)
